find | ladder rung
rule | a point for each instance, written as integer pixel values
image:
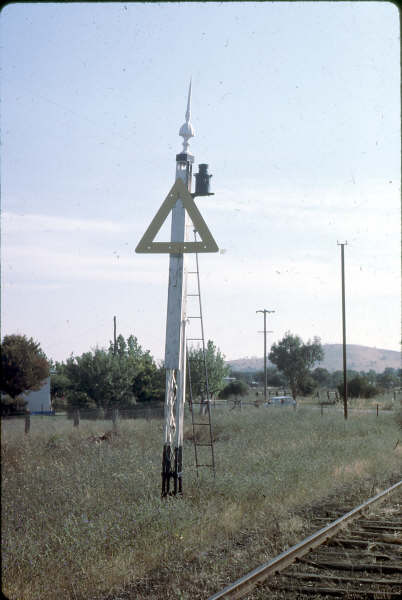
(193, 317)
(194, 339)
(192, 272)
(192, 294)
(197, 444)
(201, 424)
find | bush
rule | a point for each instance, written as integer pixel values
(358, 387)
(12, 406)
(235, 388)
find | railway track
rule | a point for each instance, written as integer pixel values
(357, 555)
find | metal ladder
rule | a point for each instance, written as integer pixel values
(198, 424)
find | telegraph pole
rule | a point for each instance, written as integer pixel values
(114, 336)
(345, 382)
(265, 311)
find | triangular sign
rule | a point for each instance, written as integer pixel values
(207, 243)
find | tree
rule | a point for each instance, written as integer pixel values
(116, 377)
(60, 385)
(24, 365)
(390, 378)
(274, 377)
(295, 359)
(149, 383)
(359, 387)
(246, 376)
(234, 388)
(321, 376)
(216, 370)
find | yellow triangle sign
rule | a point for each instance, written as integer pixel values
(207, 242)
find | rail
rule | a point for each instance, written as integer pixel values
(246, 583)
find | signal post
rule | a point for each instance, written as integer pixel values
(185, 216)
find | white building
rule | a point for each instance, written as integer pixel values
(39, 401)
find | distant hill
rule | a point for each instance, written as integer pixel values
(359, 358)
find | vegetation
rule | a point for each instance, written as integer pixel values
(295, 360)
(24, 366)
(234, 389)
(274, 377)
(216, 369)
(102, 379)
(85, 520)
(367, 384)
(359, 387)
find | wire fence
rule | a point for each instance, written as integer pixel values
(77, 415)
(155, 410)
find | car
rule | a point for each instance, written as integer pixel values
(281, 400)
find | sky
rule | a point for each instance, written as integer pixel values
(296, 109)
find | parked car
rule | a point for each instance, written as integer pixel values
(280, 400)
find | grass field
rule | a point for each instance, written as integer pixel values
(82, 520)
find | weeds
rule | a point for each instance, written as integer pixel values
(82, 516)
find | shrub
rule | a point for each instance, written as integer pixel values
(235, 388)
(358, 387)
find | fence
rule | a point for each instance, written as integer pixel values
(76, 416)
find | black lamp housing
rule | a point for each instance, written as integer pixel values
(202, 181)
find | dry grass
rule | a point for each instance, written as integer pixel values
(84, 519)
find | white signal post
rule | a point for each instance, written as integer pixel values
(180, 201)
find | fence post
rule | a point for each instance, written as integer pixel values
(377, 410)
(115, 416)
(27, 422)
(76, 417)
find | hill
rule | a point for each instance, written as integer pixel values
(359, 358)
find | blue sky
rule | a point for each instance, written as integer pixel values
(296, 109)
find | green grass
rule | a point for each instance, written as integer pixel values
(80, 519)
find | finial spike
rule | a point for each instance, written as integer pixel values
(187, 130)
(188, 111)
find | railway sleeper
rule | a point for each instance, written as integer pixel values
(394, 523)
(380, 530)
(356, 542)
(342, 578)
(346, 566)
(339, 592)
(355, 555)
(389, 539)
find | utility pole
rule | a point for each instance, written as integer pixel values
(114, 336)
(265, 311)
(345, 382)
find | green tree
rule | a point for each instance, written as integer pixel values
(24, 366)
(149, 383)
(234, 389)
(359, 387)
(216, 370)
(116, 377)
(246, 376)
(59, 386)
(105, 378)
(274, 377)
(295, 359)
(321, 376)
(390, 378)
